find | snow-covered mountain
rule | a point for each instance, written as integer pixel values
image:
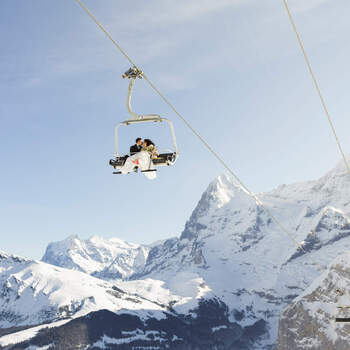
(104, 258)
(245, 259)
(309, 322)
(44, 306)
(33, 292)
(231, 260)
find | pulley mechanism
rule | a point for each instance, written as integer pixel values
(133, 73)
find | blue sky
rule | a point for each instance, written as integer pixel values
(231, 67)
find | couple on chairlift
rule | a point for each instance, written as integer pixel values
(141, 155)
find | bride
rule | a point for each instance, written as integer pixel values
(142, 160)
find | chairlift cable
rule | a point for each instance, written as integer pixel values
(211, 150)
(105, 31)
(316, 84)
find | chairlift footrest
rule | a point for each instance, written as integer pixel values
(342, 319)
(142, 171)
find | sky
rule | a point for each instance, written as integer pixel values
(233, 68)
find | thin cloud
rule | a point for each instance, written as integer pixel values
(174, 12)
(144, 34)
(299, 6)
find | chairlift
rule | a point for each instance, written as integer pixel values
(163, 159)
(343, 311)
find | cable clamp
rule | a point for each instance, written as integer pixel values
(133, 73)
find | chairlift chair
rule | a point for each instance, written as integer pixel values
(163, 159)
(342, 309)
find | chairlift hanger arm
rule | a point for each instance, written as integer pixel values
(132, 74)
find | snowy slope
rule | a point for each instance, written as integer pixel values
(32, 292)
(69, 309)
(104, 258)
(207, 329)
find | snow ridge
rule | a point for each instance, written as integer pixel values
(105, 258)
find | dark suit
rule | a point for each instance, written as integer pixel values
(135, 149)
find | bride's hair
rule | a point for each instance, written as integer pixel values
(149, 142)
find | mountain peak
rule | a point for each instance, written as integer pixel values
(338, 177)
(72, 237)
(220, 192)
(3, 255)
(331, 225)
(70, 241)
(111, 257)
(340, 167)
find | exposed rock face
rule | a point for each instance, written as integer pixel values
(309, 322)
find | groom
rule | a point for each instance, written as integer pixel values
(136, 147)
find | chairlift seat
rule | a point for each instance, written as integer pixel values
(118, 162)
(163, 159)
